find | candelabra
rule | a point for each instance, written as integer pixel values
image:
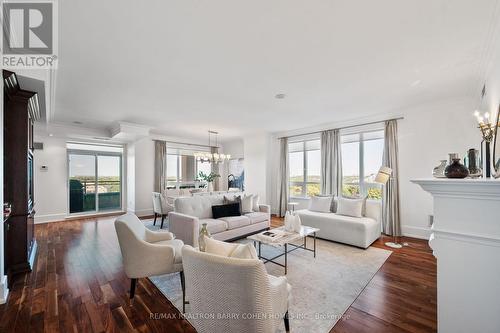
(487, 129)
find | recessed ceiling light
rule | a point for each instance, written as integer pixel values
(280, 96)
(50, 134)
(77, 123)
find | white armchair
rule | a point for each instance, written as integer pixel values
(219, 286)
(161, 207)
(147, 253)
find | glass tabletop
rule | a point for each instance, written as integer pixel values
(282, 236)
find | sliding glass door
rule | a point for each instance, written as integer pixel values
(109, 182)
(82, 183)
(95, 181)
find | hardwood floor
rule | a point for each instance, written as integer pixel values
(78, 285)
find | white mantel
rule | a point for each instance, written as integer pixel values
(466, 242)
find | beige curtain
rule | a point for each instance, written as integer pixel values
(391, 208)
(215, 169)
(283, 189)
(331, 163)
(160, 166)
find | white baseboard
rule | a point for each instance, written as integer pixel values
(143, 212)
(49, 218)
(416, 232)
(4, 291)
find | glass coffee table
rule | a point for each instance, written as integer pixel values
(284, 239)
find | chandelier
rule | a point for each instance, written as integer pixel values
(208, 157)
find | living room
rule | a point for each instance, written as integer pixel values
(250, 167)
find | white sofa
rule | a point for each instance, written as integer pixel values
(191, 212)
(360, 232)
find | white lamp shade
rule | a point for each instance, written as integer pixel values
(383, 175)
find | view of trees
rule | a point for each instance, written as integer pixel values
(350, 187)
(313, 186)
(107, 184)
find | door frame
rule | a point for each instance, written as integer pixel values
(96, 155)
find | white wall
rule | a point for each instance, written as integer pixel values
(235, 148)
(256, 150)
(51, 198)
(492, 99)
(426, 135)
(130, 182)
(144, 176)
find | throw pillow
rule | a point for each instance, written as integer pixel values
(244, 251)
(256, 199)
(232, 209)
(350, 207)
(320, 204)
(247, 204)
(333, 207)
(233, 250)
(233, 199)
(219, 248)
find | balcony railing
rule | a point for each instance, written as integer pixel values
(82, 195)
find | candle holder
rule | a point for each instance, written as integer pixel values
(487, 129)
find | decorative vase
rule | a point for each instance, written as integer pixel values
(487, 162)
(210, 187)
(456, 170)
(296, 224)
(288, 221)
(451, 157)
(438, 171)
(201, 238)
(472, 162)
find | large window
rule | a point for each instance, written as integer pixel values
(95, 178)
(305, 168)
(361, 159)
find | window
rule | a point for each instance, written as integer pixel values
(305, 168)
(361, 159)
(95, 178)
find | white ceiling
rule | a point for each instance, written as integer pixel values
(183, 67)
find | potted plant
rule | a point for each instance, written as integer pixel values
(209, 178)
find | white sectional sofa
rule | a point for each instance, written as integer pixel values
(191, 212)
(356, 231)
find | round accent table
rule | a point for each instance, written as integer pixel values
(292, 204)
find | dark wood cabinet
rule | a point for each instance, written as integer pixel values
(21, 109)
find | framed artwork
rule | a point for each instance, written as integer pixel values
(236, 174)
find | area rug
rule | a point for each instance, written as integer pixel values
(149, 224)
(323, 288)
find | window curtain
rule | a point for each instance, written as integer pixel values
(283, 188)
(331, 163)
(391, 209)
(215, 169)
(160, 166)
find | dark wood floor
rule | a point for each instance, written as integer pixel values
(78, 285)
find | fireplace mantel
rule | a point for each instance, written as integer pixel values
(465, 239)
